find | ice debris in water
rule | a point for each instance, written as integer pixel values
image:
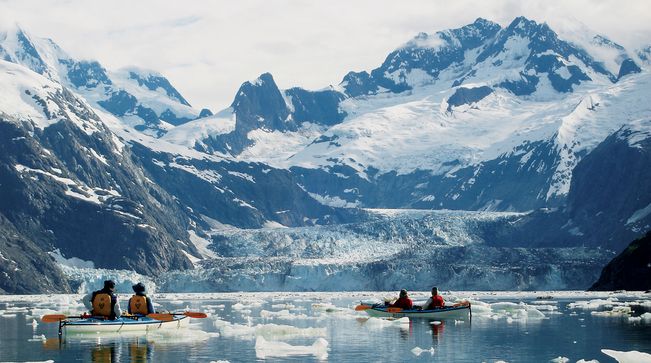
(628, 357)
(269, 331)
(265, 349)
(617, 311)
(382, 323)
(417, 351)
(282, 314)
(560, 359)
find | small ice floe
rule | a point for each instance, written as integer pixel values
(275, 331)
(282, 314)
(176, 302)
(265, 349)
(595, 304)
(37, 338)
(8, 315)
(617, 311)
(374, 322)
(628, 357)
(435, 322)
(560, 359)
(219, 361)
(286, 306)
(417, 351)
(587, 361)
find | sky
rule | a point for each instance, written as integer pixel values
(208, 48)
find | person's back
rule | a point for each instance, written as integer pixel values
(104, 303)
(435, 301)
(140, 303)
(403, 301)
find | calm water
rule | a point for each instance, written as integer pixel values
(497, 332)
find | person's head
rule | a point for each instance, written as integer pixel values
(109, 285)
(403, 293)
(139, 288)
(435, 291)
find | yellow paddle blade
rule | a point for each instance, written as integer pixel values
(53, 318)
(362, 307)
(161, 317)
(195, 314)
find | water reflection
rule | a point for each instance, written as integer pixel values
(437, 331)
(103, 354)
(137, 350)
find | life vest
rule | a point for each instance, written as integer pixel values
(138, 305)
(102, 305)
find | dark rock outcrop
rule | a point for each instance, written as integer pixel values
(630, 270)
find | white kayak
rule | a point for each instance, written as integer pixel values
(142, 324)
(451, 312)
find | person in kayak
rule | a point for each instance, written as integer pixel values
(104, 303)
(140, 303)
(403, 301)
(435, 301)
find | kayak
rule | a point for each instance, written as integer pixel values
(452, 312)
(142, 324)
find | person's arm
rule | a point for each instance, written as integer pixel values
(150, 305)
(116, 308)
(87, 301)
(427, 305)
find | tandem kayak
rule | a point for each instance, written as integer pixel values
(452, 312)
(142, 324)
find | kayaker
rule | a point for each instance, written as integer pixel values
(403, 301)
(140, 303)
(435, 301)
(104, 302)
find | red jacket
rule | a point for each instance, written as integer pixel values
(403, 302)
(434, 302)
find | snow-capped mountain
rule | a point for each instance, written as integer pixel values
(281, 190)
(143, 99)
(443, 116)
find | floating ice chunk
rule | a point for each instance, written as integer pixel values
(587, 361)
(628, 357)
(283, 306)
(417, 351)
(617, 311)
(435, 322)
(646, 317)
(533, 313)
(595, 304)
(275, 331)
(560, 359)
(264, 349)
(382, 323)
(219, 361)
(8, 315)
(37, 338)
(282, 314)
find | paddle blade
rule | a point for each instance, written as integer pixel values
(53, 318)
(161, 317)
(196, 315)
(394, 310)
(362, 307)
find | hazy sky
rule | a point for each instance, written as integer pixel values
(208, 48)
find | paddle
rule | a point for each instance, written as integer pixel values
(362, 307)
(170, 316)
(55, 318)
